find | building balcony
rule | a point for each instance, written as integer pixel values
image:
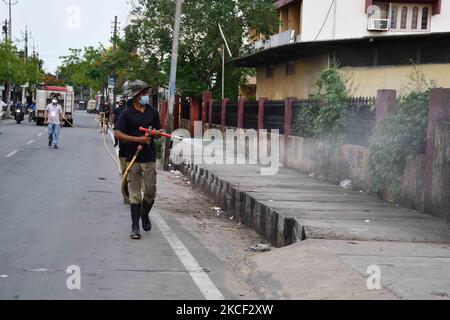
(277, 40)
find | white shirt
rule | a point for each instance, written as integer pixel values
(54, 113)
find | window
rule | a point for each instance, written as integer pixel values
(290, 67)
(270, 71)
(394, 16)
(415, 17)
(404, 19)
(410, 17)
(425, 18)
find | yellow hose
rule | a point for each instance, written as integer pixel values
(125, 178)
(126, 173)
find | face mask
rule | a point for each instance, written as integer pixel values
(54, 101)
(145, 100)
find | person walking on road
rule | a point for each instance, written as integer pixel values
(54, 120)
(142, 177)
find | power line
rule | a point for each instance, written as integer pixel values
(26, 36)
(326, 19)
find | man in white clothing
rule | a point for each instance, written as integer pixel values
(54, 119)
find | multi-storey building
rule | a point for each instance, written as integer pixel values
(376, 43)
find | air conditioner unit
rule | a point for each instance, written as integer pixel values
(378, 25)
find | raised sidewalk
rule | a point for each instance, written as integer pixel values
(291, 207)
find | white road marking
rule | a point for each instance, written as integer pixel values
(40, 134)
(30, 142)
(200, 277)
(11, 154)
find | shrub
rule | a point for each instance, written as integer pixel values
(401, 136)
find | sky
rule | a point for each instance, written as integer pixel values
(57, 25)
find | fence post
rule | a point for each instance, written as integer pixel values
(206, 97)
(164, 110)
(195, 113)
(439, 111)
(241, 112)
(287, 128)
(386, 104)
(224, 114)
(261, 111)
(211, 110)
(177, 113)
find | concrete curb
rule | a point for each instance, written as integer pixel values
(276, 228)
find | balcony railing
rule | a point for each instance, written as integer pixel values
(280, 39)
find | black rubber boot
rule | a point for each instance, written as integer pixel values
(145, 215)
(135, 217)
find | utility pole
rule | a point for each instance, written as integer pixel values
(25, 38)
(10, 3)
(5, 30)
(173, 80)
(113, 71)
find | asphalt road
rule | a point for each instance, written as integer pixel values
(62, 208)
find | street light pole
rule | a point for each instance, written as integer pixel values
(173, 80)
(223, 72)
(225, 45)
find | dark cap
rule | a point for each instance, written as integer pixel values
(136, 87)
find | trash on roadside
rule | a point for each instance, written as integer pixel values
(218, 210)
(367, 221)
(260, 248)
(346, 184)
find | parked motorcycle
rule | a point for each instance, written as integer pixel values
(19, 115)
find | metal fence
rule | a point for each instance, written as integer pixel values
(359, 126)
(357, 129)
(274, 115)
(232, 115)
(217, 113)
(251, 115)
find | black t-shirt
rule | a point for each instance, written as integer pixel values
(129, 123)
(117, 113)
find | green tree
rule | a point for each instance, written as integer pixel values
(11, 65)
(199, 66)
(86, 68)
